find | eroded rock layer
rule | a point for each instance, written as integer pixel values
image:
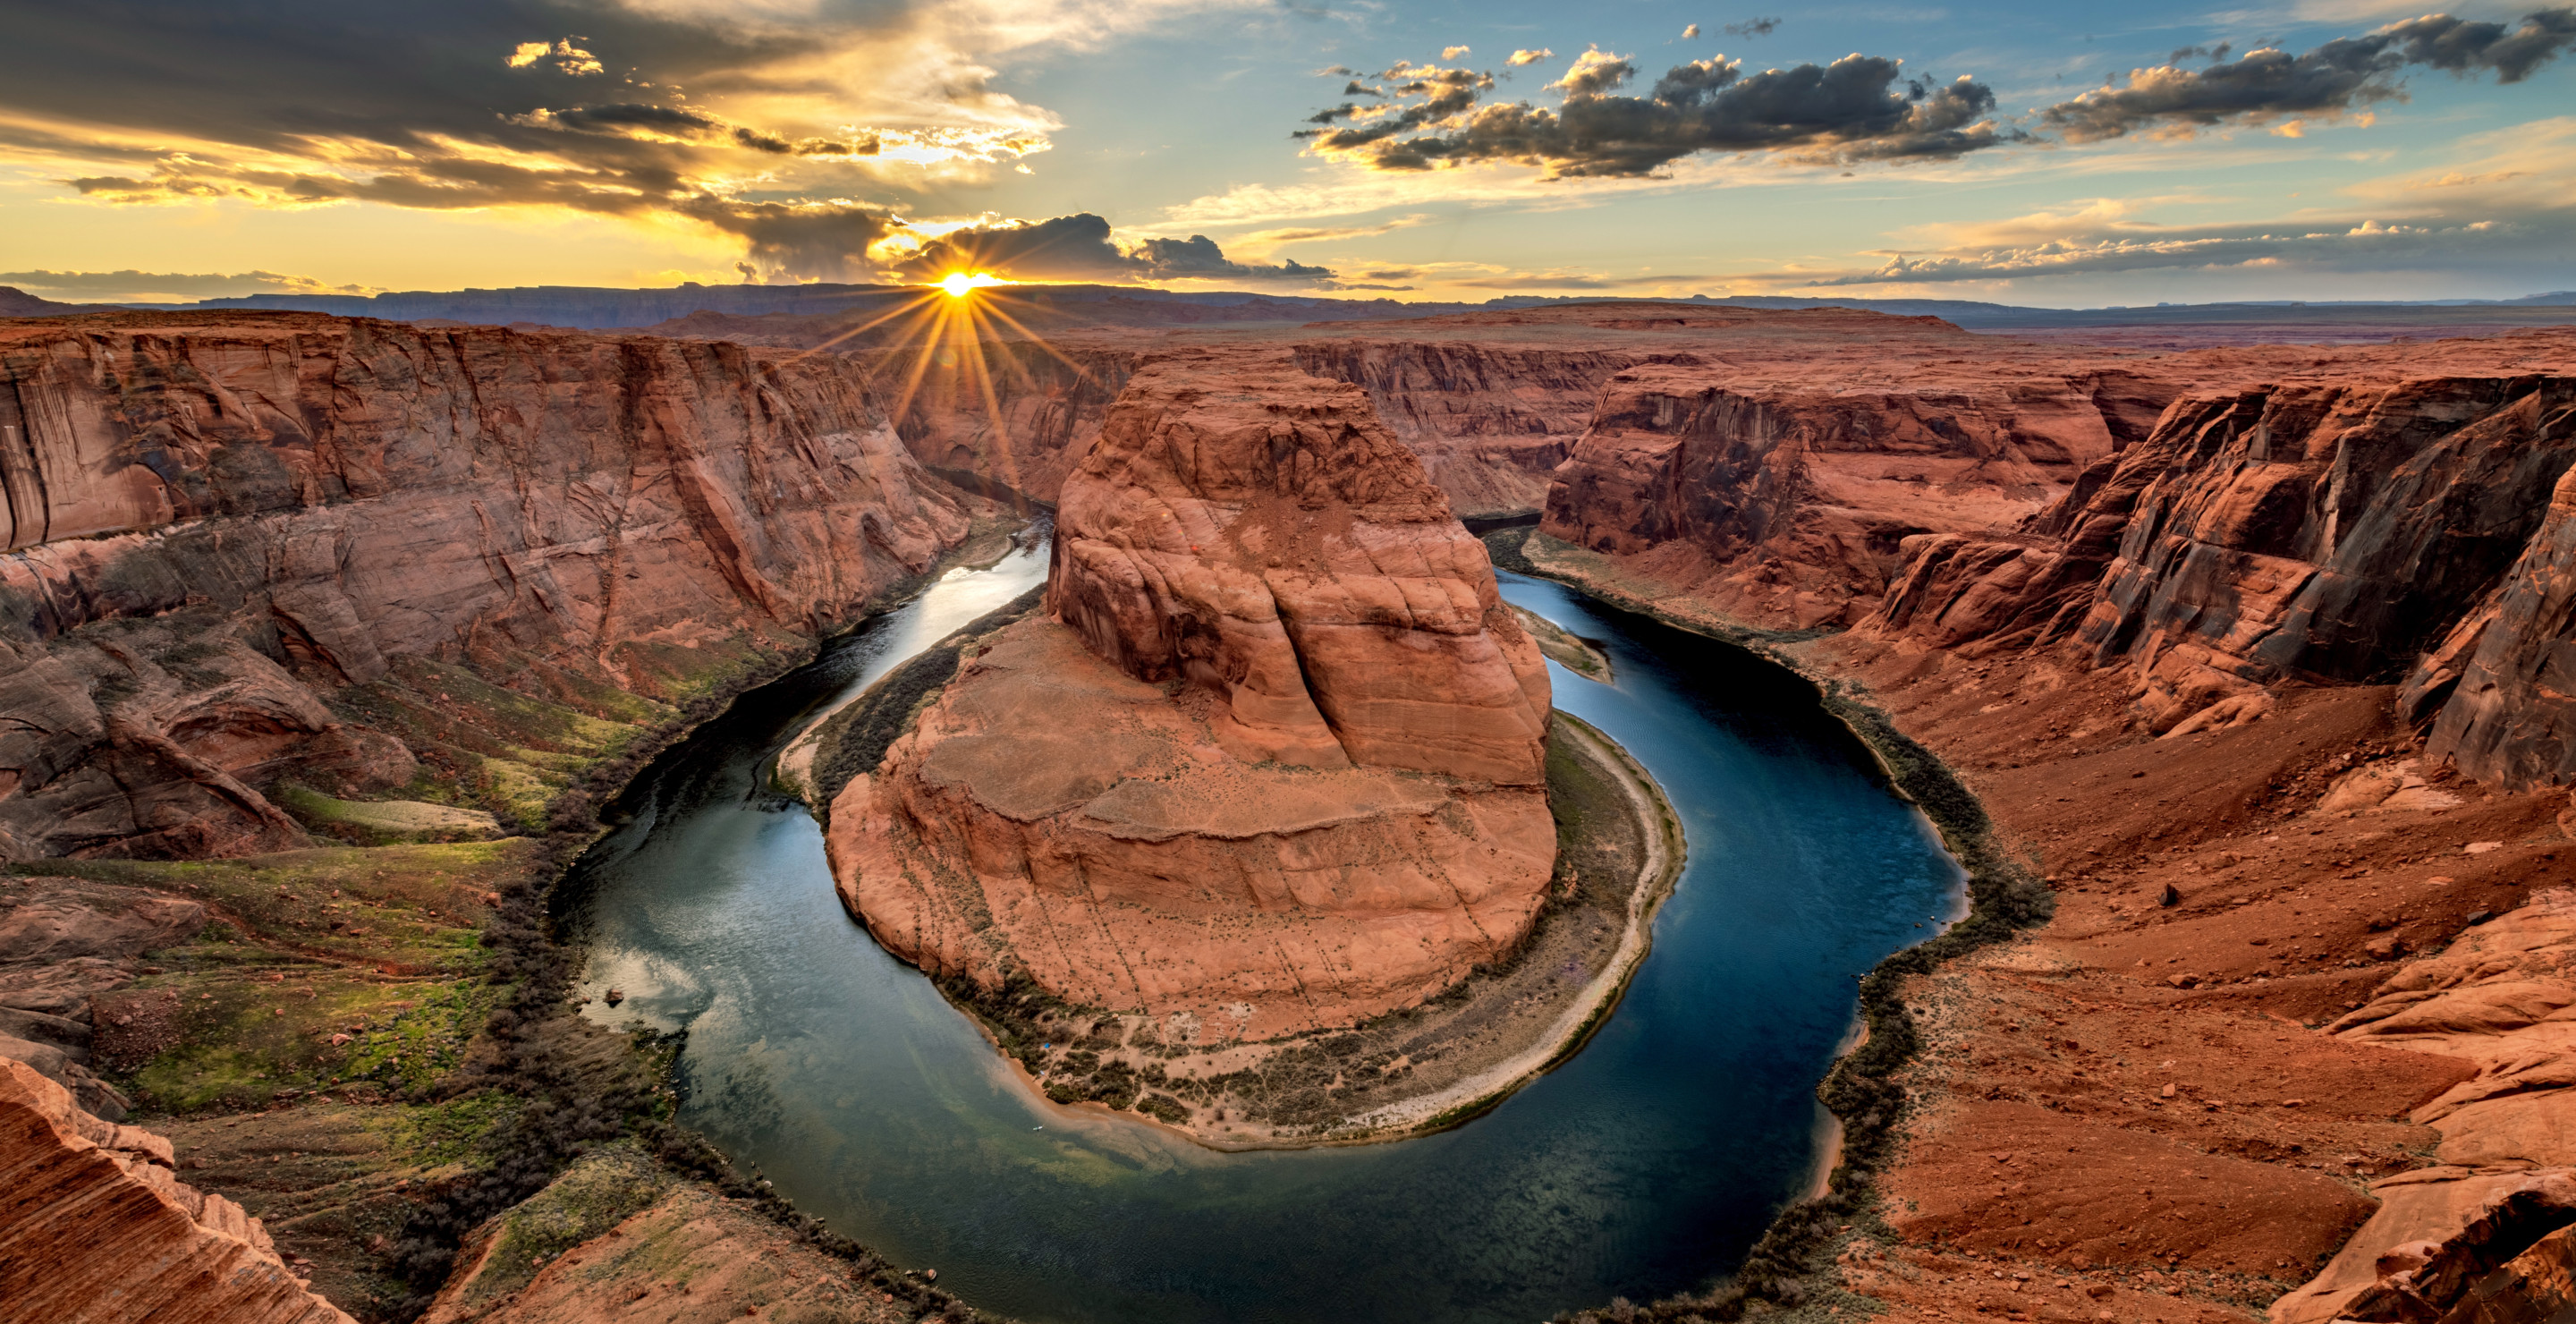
(220, 522)
(1784, 484)
(1274, 759)
(94, 1229)
(2347, 531)
(1263, 536)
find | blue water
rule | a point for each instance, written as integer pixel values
(1645, 1165)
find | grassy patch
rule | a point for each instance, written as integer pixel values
(382, 822)
(599, 1192)
(406, 910)
(240, 1037)
(453, 1130)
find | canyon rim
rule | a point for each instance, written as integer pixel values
(1160, 663)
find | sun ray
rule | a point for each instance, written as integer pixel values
(993, 306)
(918, 303)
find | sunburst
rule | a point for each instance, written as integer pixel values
(948, 323)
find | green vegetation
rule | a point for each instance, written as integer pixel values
(607, 1186)
(400, 910)
(381, 822)
(454, 1129)
(240, 1039)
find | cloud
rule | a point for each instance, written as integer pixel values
(762, 119)
(165, 287)
(1593, 73)
(1691, 33)
(1864, 108)
(807, 240)
(1199, 258)
(1753, 27)
(1452, 52)
(1859, 108)
(1262, 241)
(563, 55)
(1082, 247)
(2502, 205)
(2336, 78)
(1520, 58)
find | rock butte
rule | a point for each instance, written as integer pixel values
(1273, 760)
(2258, 648)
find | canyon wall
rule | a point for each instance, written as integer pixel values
(1291, 768)
(1006, 417)
(218, 524)
(1489, 422)
(2325, 532)
(1782, 487)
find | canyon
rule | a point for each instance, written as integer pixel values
(2250, 655)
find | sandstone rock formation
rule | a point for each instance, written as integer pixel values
(1264, 537)
(1274, 761)
(1490, 422)
(221, 521)
(94, 1229)
(1776, 469)
(2334, 530)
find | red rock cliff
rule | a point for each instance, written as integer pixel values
(2332, 530)
(219, 520)
(1489, 421)
(1261, 534)
(1777, 468)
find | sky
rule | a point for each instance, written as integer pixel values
(2071, 154)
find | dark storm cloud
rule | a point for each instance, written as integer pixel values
(275, 76)
(438, 106)
(821, 241)
(1860, 107)
(1198, 257)
(2335, 78)
(1079, 247)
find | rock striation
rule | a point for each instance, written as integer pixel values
(215, 523)
(1776, 471)
(2334, 531)
(1263, 537)
(95, 1229)
(1272, 761)
(1490, 422)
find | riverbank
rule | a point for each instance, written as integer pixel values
(2153, 1100)
(368, 1044)
(1419, 1069)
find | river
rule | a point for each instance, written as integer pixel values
(1644, 1165)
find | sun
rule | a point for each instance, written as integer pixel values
(961, 283)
